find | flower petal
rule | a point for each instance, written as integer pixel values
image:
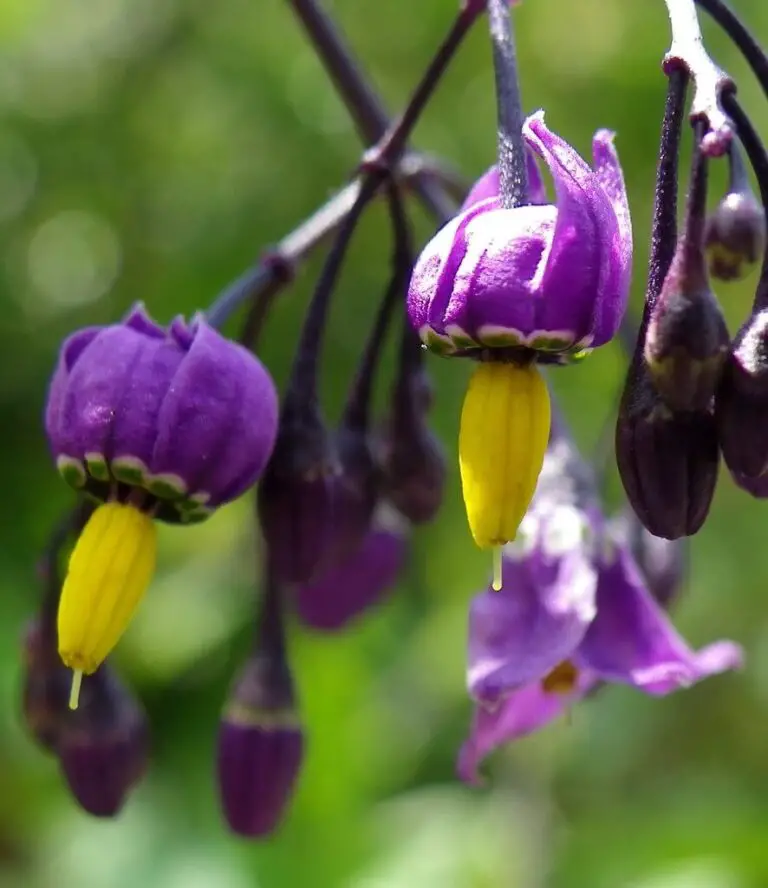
(633, 641)
(577, 264)
(523, 712)
(488, 184)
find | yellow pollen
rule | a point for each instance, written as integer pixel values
(503, 435)
(562, 679)
(109, 571)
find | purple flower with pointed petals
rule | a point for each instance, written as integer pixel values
(552, 278)
(362, 579)
(630, 641)
(182, 413)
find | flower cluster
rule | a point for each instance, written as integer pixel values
(152, 423)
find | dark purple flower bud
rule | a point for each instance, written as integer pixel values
(183, 414)
(741, 407)
(260, 748)
(735, 235)
(295, 497)
(667, 459)
(45, 684)
(410, 456)
(686, 340)
(362, 579)
(103, 746)
(757, 487)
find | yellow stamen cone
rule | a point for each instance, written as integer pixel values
(109, 570)
(503, 436)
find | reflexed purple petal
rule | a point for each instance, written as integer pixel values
(615, 289)
(535, 622)
(359, 582)
(577, 264)
(633, 641)
(522, 712)
(217, 424)
(258, 766)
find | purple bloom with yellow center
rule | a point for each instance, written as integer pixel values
(574, 612)
(153, 423)
(517, 286)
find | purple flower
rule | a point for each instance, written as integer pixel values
(548, 277)
(181, 413)
(362, 579)
(630, 641)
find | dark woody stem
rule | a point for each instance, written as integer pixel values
(664, 224)
(376, 170)
(512, 169)
(711, 83)
(365, 107)
(357, 410)
(758, 159)
(303, 378)
(737, 31)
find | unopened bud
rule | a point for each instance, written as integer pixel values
(735, 237)
(103, 746)
(667, 459)
(355, 491)
(45, 684)
(295, 496)
(260, 748)
(741, 407)
(686, 341)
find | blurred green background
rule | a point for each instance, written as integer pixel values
(150, 149)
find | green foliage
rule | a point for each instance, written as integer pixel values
(150, 149)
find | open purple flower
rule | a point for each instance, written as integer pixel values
(552, 278)
(630, 641)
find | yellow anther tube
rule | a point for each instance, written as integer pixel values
(109, 571)
(503, 436)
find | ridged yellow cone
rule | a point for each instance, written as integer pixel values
(503, 436)
(109, 571)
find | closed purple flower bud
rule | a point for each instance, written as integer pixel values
(296, 494)
(355, 491)
(103, 746)
(410, 456)
(735, 237)
(182, 414)
(756, 486)
(735, 232)
(551, 278)
(260, 748)
(741, 407)
(45, 684)
(686, 341)
(362, 579)
(667, 459)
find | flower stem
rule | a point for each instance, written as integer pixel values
(664, 225)
(357, 410)
(739, 34)
(711, 82)
(512, 166)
